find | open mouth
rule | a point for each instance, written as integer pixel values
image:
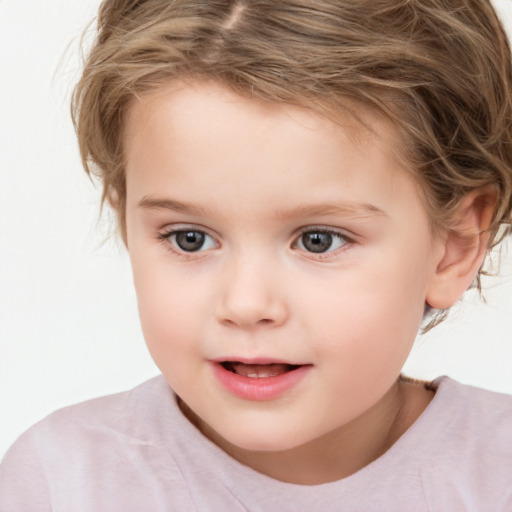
(258, 371)
(259, 379)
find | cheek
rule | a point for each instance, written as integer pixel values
(169, 306)
(368, 316)
(172, 331)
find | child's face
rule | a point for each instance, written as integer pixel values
(268, 234)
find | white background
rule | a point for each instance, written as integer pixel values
(68, 317)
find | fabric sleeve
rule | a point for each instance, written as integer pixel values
(23, 484)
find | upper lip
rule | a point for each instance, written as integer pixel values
(255, 360)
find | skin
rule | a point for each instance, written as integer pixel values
(253, 177)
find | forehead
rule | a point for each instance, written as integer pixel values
(199, 138)
(183, 99)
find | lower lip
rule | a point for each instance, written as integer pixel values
(259, 389)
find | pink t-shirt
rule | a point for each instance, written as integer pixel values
(135, 451)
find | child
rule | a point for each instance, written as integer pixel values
(298, 184)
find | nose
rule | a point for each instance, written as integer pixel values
(251, 296)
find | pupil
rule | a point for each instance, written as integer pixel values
(190, 240)
(317, 242)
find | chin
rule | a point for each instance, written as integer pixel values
(267, 440)
(265, 445)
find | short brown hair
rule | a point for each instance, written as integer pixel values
(440, 69)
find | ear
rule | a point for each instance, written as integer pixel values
(464, 248)
(112, 197)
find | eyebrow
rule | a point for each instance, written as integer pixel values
(355, 209)
(156, 203)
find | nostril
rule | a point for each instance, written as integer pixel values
(262, 322)
(250, 311)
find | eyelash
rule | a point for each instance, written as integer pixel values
(334, 233)
(166, 236)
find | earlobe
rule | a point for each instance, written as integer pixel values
(464, 248)
(112, 197)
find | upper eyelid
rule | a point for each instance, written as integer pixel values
(183, 226)
(176, 228)
(169, 229)
(327, 229)
(172, 229)
(321, 229)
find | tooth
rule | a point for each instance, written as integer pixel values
(260, 375)
(256, 371)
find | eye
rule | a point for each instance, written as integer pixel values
(190, 240)
(320, 241)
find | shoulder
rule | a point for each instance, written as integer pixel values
(129, 415)
(479, 411)
(478, 423)
(124, 414)
(106, 444)
(466, 446)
